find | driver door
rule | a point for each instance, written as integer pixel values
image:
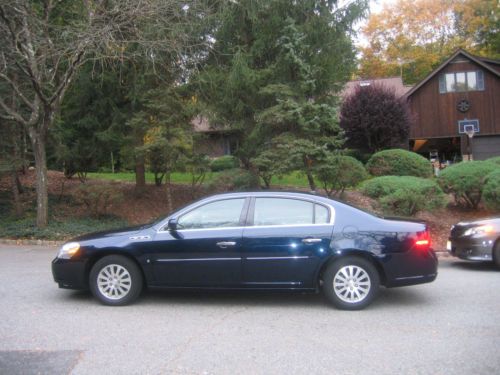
(205, 250)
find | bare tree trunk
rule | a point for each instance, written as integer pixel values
(42, 204)
(24, 152)
(18, 210)
(20, 189)
(15, 183)
(310, 178)
(169, 192)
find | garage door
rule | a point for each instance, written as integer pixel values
(485, 147)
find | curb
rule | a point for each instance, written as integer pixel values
(6, 241)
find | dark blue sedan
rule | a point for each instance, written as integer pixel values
(262, 240)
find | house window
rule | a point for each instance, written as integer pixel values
(461, 81)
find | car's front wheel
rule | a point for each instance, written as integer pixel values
(115, 280)
(351, 283)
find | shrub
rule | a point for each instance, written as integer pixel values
(491, 191)
(358, 154)
(223, 163)
(495, 160)
(197, 165)
(245, 180)
(404, 195)
(465, 181)
(375, 118)
(399, 162)
(269, 163)
(235, 179)
(98, 198)
(339, 172)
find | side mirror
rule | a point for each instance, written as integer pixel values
(172, 225)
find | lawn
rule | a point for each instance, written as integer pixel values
(294, 179)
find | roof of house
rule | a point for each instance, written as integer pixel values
(393, 83)
(481, 61)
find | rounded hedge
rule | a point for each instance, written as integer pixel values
(491, 191)
(399, 162)
(404, 195)
(235, 179)
(466, 181)
(339, 172)
(495, 160)
(223, 163)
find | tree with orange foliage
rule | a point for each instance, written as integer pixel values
(412, 37)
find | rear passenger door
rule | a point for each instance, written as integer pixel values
(283, 242)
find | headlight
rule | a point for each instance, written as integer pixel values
(483, 229)
(68, 250)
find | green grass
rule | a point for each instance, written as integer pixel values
(177, 177)
(292, 180)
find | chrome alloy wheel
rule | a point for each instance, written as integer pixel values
(351, 284)
(114, 281)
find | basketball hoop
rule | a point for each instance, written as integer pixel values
(470, 132)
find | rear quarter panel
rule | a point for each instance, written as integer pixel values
(389, 243)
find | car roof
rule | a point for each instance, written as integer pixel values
(272, 193)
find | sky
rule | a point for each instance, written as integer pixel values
(375, 7)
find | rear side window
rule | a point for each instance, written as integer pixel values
(284, 211)
(322, 216)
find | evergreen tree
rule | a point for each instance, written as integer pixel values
(275, 72)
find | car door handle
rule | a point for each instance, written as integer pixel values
(225, 244)
(311, 240)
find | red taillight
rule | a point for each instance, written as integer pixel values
(422, 243)
(423, 240)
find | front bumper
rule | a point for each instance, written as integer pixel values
(69, 273)
(471, 249)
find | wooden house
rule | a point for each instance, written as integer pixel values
(459, 99)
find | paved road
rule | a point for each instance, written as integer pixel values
(449, 327)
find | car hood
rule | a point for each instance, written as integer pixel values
(129, 231)
(491, 221)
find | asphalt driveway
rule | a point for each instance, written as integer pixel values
(451, 326)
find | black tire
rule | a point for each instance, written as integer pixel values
(120, 278)
(360, 283)
(496, 254)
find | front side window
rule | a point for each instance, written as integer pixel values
(284, 211)
(461, 81)
(220, 214)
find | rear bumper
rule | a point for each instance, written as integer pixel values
(412, 280)
(410, 268)
(69, 274)
(479, 250)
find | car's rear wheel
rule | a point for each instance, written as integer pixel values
(496, 254)
(351, 283)
(115, 280)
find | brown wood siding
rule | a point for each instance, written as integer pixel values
(436, 114)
